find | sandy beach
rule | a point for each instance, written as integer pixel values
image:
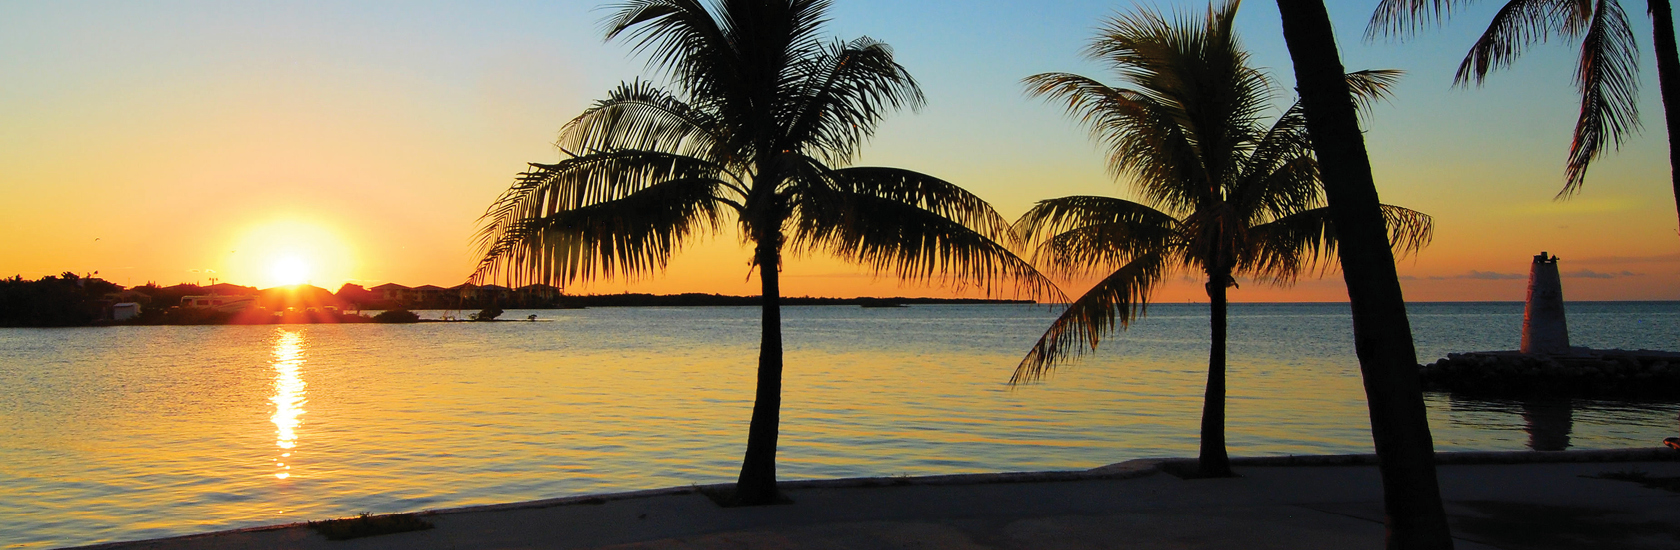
(1505, 500)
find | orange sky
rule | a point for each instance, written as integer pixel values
(220, 141)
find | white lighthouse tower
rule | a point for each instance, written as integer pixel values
(1544, 328)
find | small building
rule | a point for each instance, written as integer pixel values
(391, 292)
(494, 292)
(427, 293)
(539, 291)
(125, 311)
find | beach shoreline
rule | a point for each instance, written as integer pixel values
(828, 510)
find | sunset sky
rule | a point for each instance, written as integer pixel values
(268, 143)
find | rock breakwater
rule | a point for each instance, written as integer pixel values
(1636, 374)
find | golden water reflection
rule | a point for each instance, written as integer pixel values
(288, 397)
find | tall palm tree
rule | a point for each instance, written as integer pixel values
(1382, 335)
(765, 117)
(1607, 73)
(1225, 193)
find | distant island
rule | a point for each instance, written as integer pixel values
(70, 300)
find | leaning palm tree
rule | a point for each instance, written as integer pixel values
(1224, 192)
(1382, 334)
(766, 116)
(1606, 75)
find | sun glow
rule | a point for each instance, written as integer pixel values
(289, 270)
(290, 252)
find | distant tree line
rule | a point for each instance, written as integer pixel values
(66, 300)
(70, 300)
(695, 299)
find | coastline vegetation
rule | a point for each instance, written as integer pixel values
(65, 300)
(70, 300)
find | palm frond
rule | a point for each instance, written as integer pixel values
(582, 181)
(912, 226)
(1517, 25)
(1285, 188)
(1144, 138)
(1408, 230)
(680, 37)
(631, 236)
(1306, 242)
(1118, 299)
(1371, 85)
(940, 197)
(1080, 234)
(1200, 73)
(1280, 175)
(839, 97)
(1608, 81)
(638, 116)
(1405, 17)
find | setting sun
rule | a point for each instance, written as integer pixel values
(290, 252)
(289, 270)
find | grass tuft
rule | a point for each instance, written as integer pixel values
(368, 526)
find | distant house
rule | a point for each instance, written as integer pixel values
(427, 293)
(494, 291)
(392, 292)
(538, 292)
(466, 291)
(125, 311)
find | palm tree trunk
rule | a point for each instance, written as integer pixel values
(1668, 79)
(757, 484)
(1382, 335)
(1213, 462)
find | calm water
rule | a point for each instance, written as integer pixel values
(138, 432)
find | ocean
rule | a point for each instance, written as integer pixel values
(126, 433)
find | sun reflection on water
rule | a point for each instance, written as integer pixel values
(288, 397)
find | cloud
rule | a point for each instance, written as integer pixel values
(1658, 258)
(1480, 276)
(1492, 276)
(1590, 274)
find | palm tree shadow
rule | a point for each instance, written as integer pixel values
(726, 496)
(1191, 469)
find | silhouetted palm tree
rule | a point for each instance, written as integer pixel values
(1607, 74)
(766, 114)
(1382, 335)
(1225, 193)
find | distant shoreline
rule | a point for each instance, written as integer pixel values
(700, 299)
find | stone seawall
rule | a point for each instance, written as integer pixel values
(1638, 374)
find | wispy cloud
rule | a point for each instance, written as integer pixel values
(1658, 258)
(1481, 276)
(1590, 274)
